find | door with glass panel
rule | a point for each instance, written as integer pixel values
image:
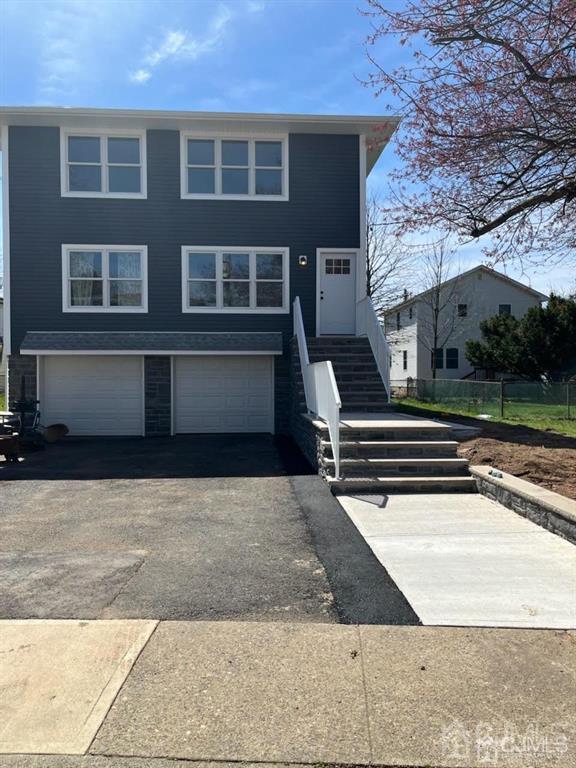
(337, 293)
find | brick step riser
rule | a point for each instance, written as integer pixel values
(339, 354)
(366, 452)
(355, 389)
(356, 341)
(346, 366)
(403, 435)
(368, 472)
(344, 358)
(348, 370)
(372, 487)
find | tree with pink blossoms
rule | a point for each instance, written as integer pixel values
(487, 93)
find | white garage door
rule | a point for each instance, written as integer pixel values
(93, 395)
(224, 394)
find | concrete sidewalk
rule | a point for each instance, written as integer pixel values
(285, 693)
(469, 561)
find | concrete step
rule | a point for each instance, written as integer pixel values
(363, 395)
(391, 434)
(373, 402)
(348, 367)
(393, 448)
(354, 378)
(388, 467)
(335, 341)
(384, 485)
(349, 387)
(367, 406)
(343, 354)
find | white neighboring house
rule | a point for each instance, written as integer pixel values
(468, 299)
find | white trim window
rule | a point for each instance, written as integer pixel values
(233, 168)
(237, 279)
(104, 278)
(103, 164)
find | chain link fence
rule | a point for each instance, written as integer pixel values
(504, 399)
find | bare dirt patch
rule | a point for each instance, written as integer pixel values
(545, 458)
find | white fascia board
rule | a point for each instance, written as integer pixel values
(377, 128)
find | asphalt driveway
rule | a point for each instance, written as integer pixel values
(219, 527)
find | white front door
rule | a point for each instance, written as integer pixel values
(337, 293)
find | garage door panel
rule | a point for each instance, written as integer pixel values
(223, 394)
(93, 395)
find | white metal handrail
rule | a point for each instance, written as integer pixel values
(320, 388)
(369, 325)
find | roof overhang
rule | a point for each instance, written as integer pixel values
(149, 342)
(377, 129)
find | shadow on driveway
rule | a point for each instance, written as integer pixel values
(182, 456)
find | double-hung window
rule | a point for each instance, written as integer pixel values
(98, 278)
(234, 168)
(103, 165)
(234, 279)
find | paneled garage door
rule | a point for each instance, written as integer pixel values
(92, 395)
(224, 394)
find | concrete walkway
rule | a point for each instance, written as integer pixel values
(285, 693)
(468, 561)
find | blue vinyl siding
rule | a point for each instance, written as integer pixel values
(323, 211)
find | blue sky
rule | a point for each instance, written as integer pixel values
(234, 55)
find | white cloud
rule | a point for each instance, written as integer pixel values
(140, 76)
(182, 45)
(65, 33)
(255, 6)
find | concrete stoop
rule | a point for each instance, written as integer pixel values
(384, 452)
(380, 450)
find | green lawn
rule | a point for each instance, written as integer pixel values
(534, 416)
(2, 403)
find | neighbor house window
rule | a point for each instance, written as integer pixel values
(234, 168)
(504, 309)
(437, 355)
(405, 359)
(234, 279)
(410, 313)
(452, 357)
(99, 278)
(398, 321)
(462, 310)
(103, 165)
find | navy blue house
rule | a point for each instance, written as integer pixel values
(152, 260)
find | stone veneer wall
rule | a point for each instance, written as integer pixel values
(305, 435)
(281, 394)
(532, 508)
(157, 396)
(18, 366)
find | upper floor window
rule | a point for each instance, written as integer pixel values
(234, 168)
(398, 321)
(452, 357)
(462, 310)
(410, 313)
(437, 358)
(504, 309)
(103, 165)
(97, 278)
(234, 279)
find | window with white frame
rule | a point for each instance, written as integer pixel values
(234, 279)
(234, 168)
(110, 165)
(100, 278)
